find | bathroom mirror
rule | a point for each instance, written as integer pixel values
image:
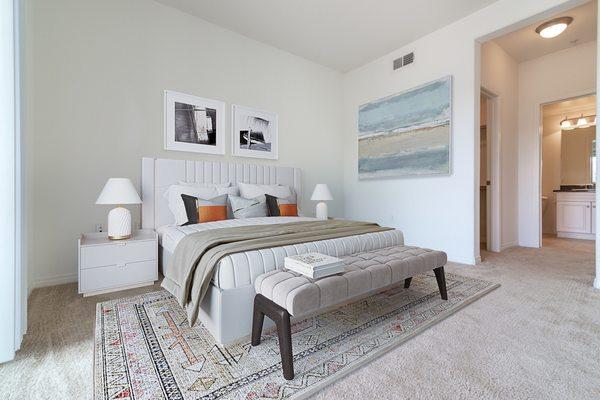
(577, 156)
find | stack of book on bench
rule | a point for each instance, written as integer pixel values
(314, 265)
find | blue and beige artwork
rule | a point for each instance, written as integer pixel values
(407, 133)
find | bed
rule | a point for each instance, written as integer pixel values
(226, 309)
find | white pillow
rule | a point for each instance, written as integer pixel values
(250, 190)
(233, 190)
(173, 194)
(196, 184)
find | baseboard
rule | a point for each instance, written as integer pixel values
(508, 245)
(52, 281)
(462, 260)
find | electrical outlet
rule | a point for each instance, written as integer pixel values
(99, 228)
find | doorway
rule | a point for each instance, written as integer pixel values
(568, 168)
(489, 172)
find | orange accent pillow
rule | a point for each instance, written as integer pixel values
(211, 213)
(288, 210)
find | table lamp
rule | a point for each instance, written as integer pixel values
(321, 194)
(119, 191)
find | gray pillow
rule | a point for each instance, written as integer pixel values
(248, 208)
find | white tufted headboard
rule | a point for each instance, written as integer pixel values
(159, 173)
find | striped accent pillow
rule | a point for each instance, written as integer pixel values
(201, 210)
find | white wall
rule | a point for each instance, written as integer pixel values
(9, 269)
(499, 74)
(557, 76)
(95, 74)
(439, 212)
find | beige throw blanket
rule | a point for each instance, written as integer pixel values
(191, 266)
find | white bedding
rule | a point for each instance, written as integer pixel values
(241, 269)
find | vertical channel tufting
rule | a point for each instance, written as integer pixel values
(272, 175)
(239, 173)
(246, 175)
(252, 176)
(224, 173)
(216, 172)
(231, 174)
(200, 171)
(259, 174)
(190, 172)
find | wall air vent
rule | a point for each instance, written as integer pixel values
(404, 60)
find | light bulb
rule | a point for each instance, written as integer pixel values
(553, 31)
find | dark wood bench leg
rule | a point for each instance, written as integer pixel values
(407, 283)
(284, 332)
(262, 307)
(258, 317)
(440, 277)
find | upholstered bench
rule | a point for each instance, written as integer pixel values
(282, 293)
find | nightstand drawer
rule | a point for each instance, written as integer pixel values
(112, 276)
(117, 253)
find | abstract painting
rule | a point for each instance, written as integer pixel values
(194, 124)
(408, 133)
(254, 133)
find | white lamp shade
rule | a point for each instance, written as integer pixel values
(321, 193)
(118, 191)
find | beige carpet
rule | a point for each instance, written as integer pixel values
(536, 337)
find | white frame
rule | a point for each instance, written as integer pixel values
(539, 118)
(170, 97)
(235, 145)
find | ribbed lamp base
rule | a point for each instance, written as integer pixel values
(119, 224)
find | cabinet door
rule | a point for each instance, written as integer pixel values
(593, 217)
(574, 216)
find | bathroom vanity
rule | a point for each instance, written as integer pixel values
(576, 214)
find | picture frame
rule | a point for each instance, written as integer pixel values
(193, 124)
(407, 134)
(254, 133)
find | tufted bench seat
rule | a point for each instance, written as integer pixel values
(282, 293)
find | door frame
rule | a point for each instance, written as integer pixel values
(539, 116)
(493, 133)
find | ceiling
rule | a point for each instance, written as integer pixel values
(525, 44)
(571, 107)
(341, 34)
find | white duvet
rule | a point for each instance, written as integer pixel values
(242, 269)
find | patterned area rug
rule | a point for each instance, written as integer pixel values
(145, 349)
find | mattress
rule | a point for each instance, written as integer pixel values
(242, 269)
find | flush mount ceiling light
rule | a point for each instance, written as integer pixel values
(554, 27)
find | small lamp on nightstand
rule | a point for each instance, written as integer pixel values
(119, 191)
(321, 194)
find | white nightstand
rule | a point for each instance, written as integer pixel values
(110, 265)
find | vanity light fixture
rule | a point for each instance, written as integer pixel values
(582, 122)
(554, 27)
(565, 124)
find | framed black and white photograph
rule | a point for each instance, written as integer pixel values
(194, 124)
(254, 133)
